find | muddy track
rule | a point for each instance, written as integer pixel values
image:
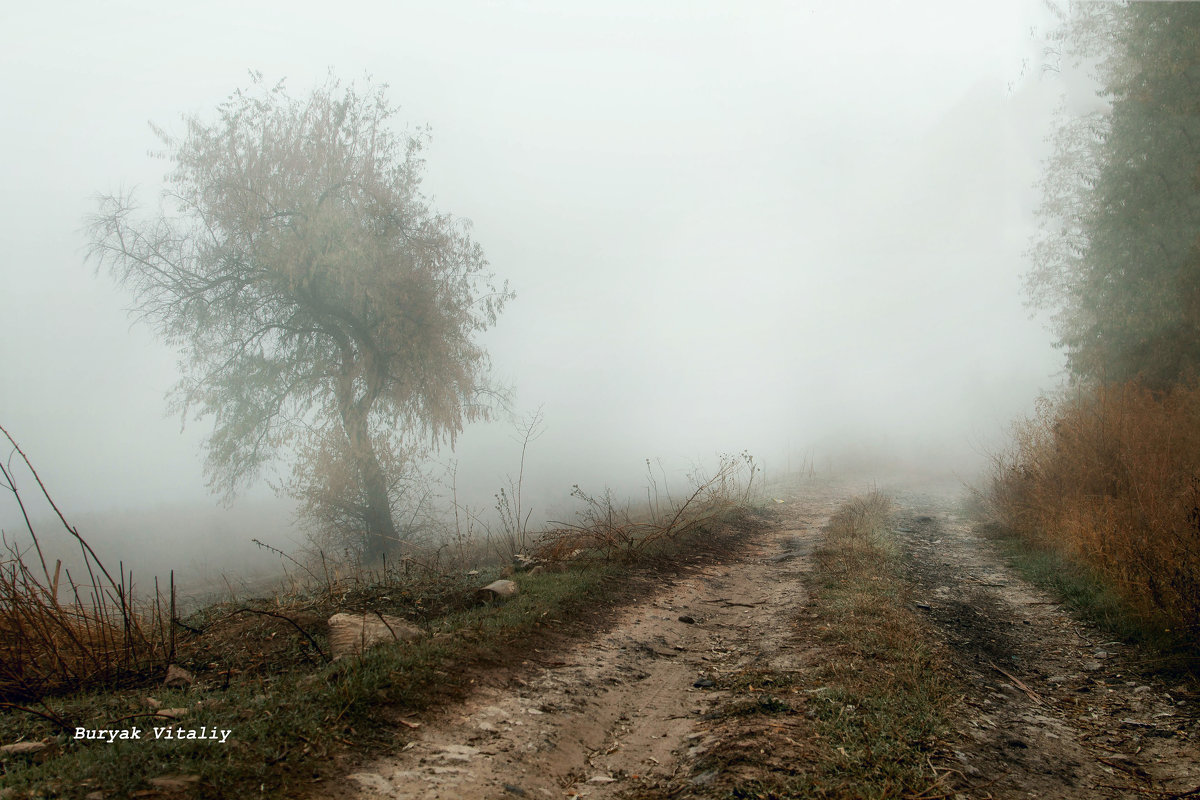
(625, 709)
(1053, 708)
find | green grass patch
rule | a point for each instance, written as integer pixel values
(883, 697)
(1080, 587)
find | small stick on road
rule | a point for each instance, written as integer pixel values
(1017, 682)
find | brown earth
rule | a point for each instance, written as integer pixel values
(1049, 708)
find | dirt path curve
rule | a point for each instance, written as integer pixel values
(1054, 709)
(623, 708)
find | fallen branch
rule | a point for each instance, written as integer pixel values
(1165, 795)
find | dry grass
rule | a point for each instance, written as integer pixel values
(61, 635)
(1112, 479)
(607, 532)
(47, 647)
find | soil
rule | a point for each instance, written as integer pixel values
(1051, 709)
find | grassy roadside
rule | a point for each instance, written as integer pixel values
(1093, 599)
(1081, 588)
(295, 726)
(864, 715)
(1107, 476)
(282, 724)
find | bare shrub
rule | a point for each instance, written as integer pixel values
(605, 530)
(513, 512)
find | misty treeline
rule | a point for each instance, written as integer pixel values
(324, 312)
(1110, 472)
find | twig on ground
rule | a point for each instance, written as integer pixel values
(1017, 682)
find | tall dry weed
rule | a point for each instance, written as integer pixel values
(1112, 477)
(61, 635)
(608, 531)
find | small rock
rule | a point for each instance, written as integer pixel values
(351, 634)
(458, 752)
(174, 783)
(687, 620)
(517, 790)
(23, 748)
(1092, 666)
(704, 683)
(496, 590)
(1142, 690)
(601, 779)
(373, 780)
(178, 677)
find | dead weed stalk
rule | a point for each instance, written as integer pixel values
(603, 530)
(58, 635)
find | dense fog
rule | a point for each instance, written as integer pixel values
(791, 229)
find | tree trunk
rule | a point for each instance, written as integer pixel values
(380, 536)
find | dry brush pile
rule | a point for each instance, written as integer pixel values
(1112, 478)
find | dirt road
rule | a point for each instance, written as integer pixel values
(1049, 708)
(1054, 708)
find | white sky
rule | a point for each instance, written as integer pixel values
(729, 225)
